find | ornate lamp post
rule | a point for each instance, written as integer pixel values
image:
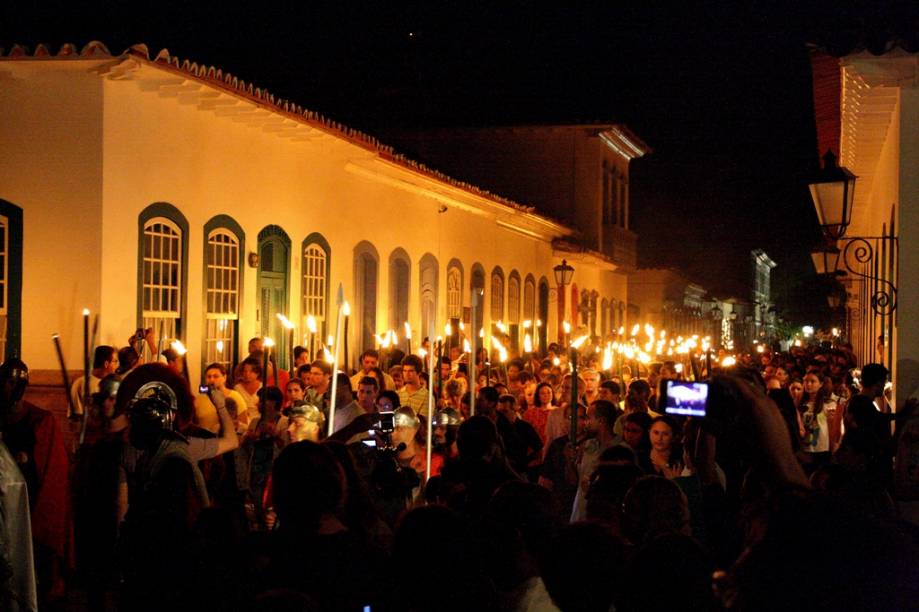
(563, 275)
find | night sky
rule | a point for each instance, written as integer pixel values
(720, 91)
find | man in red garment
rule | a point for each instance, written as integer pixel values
(37, 446)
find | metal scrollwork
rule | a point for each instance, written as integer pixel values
(859, 259)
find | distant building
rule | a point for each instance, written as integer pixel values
(763, 310)
(576, 173)
(666, 299)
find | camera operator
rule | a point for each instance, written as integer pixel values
(408, 437)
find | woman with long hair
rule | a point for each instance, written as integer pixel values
(665, 458)
(814, 407)
(537, 415)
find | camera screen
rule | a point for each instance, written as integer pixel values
(686, 398)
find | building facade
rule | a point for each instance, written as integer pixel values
(867, 114)
(159, 193)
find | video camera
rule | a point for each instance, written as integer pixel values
(390, 479)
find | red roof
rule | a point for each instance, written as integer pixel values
(827, 86)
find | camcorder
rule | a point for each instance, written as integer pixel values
(390, 480)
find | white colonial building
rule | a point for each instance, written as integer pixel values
(157, 192)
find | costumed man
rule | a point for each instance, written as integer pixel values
(34, 439)
(167, 494)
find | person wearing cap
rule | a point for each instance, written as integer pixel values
(34, 439)
(305, 422)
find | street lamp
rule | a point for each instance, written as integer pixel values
(833, 192)
(717, 313)
(826, 259)
(563, 273)
(563, 276)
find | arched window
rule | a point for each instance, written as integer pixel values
(604, 320)
(314, 282)
(497, 295)
(513, 308)
(10, 279)
(366, 267)
(455, 290)
(223, 248)
(543, 310)
(529, 299)
(163, 245)
(428, 276)
(399, 287)
(513, 298)
(477, 284)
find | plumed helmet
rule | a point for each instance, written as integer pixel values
(16, 371)
(154, 405)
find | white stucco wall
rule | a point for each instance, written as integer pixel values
(86, 154)
(907, 338)
(51, 138)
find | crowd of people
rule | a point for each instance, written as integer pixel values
(540, 487)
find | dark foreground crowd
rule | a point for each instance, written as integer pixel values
(239, 497)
